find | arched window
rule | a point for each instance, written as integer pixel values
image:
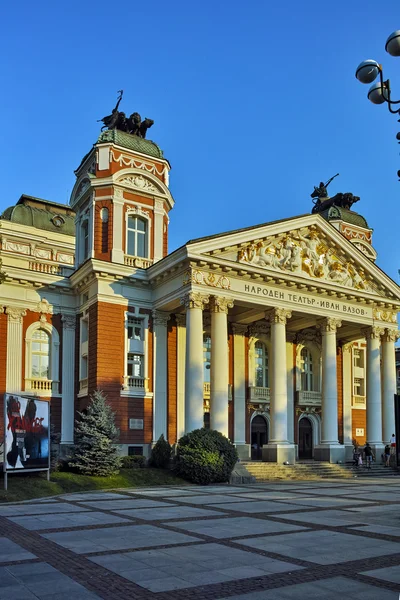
(85, 239)
(40, 356)
(306, 368)
(137, 237)
(207, 358)
(261, 365)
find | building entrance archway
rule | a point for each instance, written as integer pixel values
(305, 438)
(259, 436)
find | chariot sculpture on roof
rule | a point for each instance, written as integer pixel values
(323, 201)
(132, 124)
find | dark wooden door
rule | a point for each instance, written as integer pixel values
(305, 438)
(259, 436)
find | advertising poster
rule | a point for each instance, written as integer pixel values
(26, 433)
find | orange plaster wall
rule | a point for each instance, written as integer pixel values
(359, 421)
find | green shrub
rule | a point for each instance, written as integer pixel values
(133, 462)
(205, 456)
(161, 454)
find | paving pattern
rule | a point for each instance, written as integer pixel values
(289, 540)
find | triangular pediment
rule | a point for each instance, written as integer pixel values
(304, 249)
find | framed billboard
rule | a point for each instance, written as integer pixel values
(27, 434)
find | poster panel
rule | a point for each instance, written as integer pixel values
(26, 433)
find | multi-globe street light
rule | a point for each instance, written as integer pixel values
(369, 70)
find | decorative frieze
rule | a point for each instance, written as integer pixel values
(259, 328)
(239, 328)
(15, 314)
(128, 161)
(220, 305)
(206, 278)
(194, 300)
(139, 182)
(308, 335)
(389, 316)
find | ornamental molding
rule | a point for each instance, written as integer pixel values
(194, 300)
(308, 335)
(180, 320)
(308, 253)
(353, 233)
(239, 329)
(160, 318)
(138, 210)
(43, 306)
(16, 247)
(138, 182)
(127, 161)
(68, 321)
(329, 325)
(15, 314)
(347, 348)
(195, 276)
(391, 335)
(279, 315)
(390, 316)
(220, 305)
(373, 333)
(259, 328)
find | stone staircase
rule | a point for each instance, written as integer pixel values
(309, 470)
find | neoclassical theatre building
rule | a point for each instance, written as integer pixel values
(281, 335)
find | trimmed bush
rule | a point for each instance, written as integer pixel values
(161, 454)
(205, 456)
(136, 461)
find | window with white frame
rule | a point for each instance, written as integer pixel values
(306, 369)
(261, 365)
(135, 366)
(42, 359)
(136, 238)
(40, 355)
(358, 387)
(358, 358)
(135, 348)
(207, 358)
(135, 328)
(84, 350)
(85, 239)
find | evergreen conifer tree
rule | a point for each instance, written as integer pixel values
(95, 451)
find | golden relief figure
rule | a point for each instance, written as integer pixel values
(307, 254)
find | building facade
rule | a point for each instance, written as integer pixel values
(281, 336)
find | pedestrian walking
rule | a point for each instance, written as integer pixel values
(387, 455)
(368, 456)
(355, 457)
(393, 444)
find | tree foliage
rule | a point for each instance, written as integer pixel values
(161, 454)
(95, 452)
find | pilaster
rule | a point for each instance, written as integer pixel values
(181, 342)
(374, 391)
(68, 379)
(219, 363)
(347, 409)
(160, 321)
(388, 383)
(117, 253)
(239, 390)
(14, 348)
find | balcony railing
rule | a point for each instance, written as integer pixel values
(135, 383)
(259, 394)
(83, 385)
(358, 402)
(309, 398)
(137, 261)
(207, 390)
(41, 386)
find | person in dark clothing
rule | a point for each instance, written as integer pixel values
(368, 455)
(387, 455)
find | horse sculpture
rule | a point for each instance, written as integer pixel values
(342, 200)
(133, 124)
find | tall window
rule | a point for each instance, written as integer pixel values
(40, 355)
(135, 366)
(85, 239)
(137, 236)
(306, 366)
(358, 387)
(261, 365)
(207, 357)
(358, 358)
(135, 328)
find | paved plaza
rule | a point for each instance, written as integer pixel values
(271, 541)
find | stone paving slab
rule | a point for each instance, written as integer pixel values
(231, 527)
(125, 503)
(333, 518)
(192, 566)
(216, 489)
(161, 492)
(326, 589)
(10, 552)
(387, 574)
(81, 497)
(82, 519)
(382, 529)
(323, 547)
(325, 501)
(133, 536)
(256, 506)
(39, 509)
(213, 499)
(170, 512)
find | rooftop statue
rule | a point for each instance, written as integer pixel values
(132, 124)
(323, 201)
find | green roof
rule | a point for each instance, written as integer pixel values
(346, 215)
(132, 142)
(41, 214)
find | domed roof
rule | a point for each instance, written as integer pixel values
(349, 216)
(41, 214)
(132, 142)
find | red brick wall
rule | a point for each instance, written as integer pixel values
(359, 420)
(172, 342)
(103, 231)
(165, 237)
(3, 366)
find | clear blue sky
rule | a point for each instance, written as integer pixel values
(254, 103)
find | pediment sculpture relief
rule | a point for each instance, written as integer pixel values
(306, 254)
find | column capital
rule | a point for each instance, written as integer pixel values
(194, 300)
(68, 321)
(278, 315)
(239, 328)
(180, 320)
(15, 314)
(329, 325)
(373, 333)
(391, 335)
(219, 304)
(160, 318)
(346, 348)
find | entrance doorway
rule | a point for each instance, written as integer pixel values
(305, 438)
(259, 436)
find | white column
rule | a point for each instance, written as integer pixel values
(330, 449)
(290, 368)
(239, 390)
(194, 414)
(347, 409)
(68, 379)
(181, 341)
(278, 448)
(158, 229)
(117, 253)
(389, 383)
(160, 378)
(219, 364)
(14, 348)
(374, 394)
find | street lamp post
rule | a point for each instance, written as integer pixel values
(380, 92)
